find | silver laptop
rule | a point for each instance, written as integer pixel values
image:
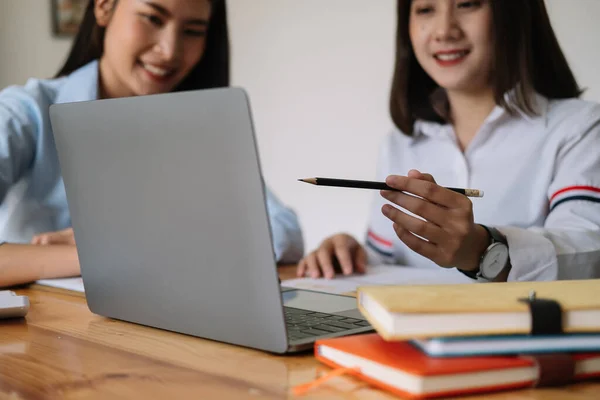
(168, 208)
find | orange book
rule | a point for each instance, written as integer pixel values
(402, 369)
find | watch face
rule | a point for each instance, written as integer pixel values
(495, 260)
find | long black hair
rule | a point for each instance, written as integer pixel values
(527, 58)
(212, 70)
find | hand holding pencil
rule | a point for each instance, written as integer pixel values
(447, 234)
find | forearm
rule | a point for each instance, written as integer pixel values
(22, 263)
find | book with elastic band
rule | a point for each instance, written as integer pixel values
(508, 308)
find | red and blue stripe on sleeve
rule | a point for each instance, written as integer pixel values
(587, 193)
(379, 244)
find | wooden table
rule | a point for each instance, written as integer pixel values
(63, 351)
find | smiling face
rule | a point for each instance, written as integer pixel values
(452, 41)
(150, 46)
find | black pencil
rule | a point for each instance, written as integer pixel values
(377, 185)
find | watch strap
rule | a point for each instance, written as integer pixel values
(470, 274)
(474, 274)
(495, 237)
(495, 234)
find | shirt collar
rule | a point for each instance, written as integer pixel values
(80, 85)
(436, 129)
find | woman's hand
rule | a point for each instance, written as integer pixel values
(65, 236)
(452, 237)
(342, 248)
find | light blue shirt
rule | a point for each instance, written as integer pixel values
(32, 195)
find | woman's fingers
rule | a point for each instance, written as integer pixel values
(341, 248)
(416, 174)
(416, 244)
(419, 227)
(311, 266)
(418, 206)
(360, 258)
(343, 253)
(324, 257)
(65, 236)
(427, 190)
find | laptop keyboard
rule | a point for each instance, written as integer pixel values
(302, 324)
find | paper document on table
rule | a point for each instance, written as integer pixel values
(380, 275)
(75, 284)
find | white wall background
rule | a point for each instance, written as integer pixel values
(317, 73)
(27, 47)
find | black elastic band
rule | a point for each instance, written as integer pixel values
(546, 316)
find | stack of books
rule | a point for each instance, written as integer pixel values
(443, 340)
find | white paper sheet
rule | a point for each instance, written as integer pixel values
(75, 284)
(380, 275)
(376, 275)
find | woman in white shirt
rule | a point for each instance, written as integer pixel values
(482, 97)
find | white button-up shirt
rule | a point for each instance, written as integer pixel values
(540, 175)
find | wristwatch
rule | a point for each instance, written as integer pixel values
(494, 260)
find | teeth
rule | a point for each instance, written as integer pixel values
(156, 70)
(450, 56)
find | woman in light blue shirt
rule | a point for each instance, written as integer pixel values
(124, 48)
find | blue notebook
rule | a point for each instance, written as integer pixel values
(508, 344)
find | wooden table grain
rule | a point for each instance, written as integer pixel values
(63, 351)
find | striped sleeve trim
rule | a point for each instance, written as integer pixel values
(570, 193)
(379, 244)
